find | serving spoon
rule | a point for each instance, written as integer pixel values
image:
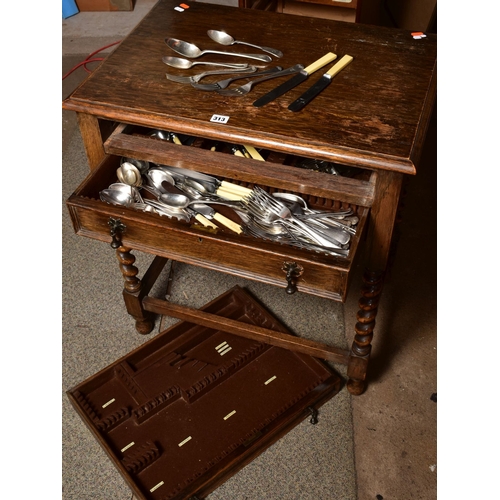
(224, 39)
(190, 50)
(129, 174)
(157, 177)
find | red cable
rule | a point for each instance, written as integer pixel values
(89, 60)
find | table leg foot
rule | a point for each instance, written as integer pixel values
(144, 326)
(361, 346)
(356, 387)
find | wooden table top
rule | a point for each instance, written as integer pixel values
(374, 114)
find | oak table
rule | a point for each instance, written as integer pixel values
(370, 123)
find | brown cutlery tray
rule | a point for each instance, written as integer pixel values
(183, 412)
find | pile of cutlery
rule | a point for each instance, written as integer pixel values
(281, 217)
(191, 51)
(269, 217)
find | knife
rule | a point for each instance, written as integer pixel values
(320, 85)
(213, 184)
(295, 80)
(210, 213)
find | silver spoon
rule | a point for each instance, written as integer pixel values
(175, 200)
(163, 209)
(187, 49)
(129, 174)
(127, 189)
(116, 197)
(293, 198)
(141, 165)
(125, 177)
(157, 177)
(225, 39)
(180, 63)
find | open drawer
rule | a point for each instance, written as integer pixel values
(243, 255)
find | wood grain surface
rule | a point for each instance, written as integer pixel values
(372, 115)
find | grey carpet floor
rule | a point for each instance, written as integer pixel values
(311, 462)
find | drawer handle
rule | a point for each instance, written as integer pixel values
(293, 271)
(116, 229)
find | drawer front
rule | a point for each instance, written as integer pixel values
(238, 255)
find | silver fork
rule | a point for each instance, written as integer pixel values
(264, 206)
(252, 228)
(199, 76)
(245, 89)
(222, 84)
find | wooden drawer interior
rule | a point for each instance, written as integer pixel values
(354, 185)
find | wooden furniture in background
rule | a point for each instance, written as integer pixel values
(338, 10)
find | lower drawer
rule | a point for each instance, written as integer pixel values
(221, 250)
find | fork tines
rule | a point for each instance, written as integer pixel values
(256, 202)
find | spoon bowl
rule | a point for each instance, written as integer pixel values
(175, 200)
(191, 50)
(129, 174)
(141, 165)
(293, 198)
(158, 177)
(224, 39)
(117, 197)
(160, 134)
(196, 185)
(127, 189)
(125, 179)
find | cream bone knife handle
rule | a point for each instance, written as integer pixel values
(228, 195)
(232, 192)
(253, 153)
(210, 213)
(336, 68)
(204, 221)
(201, 218)
(227, 222)
(234, 188)
(322, 61)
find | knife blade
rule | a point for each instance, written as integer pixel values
(295, 80)
(320, 85)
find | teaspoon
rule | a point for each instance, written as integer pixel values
(187, 49)
(225, 39)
